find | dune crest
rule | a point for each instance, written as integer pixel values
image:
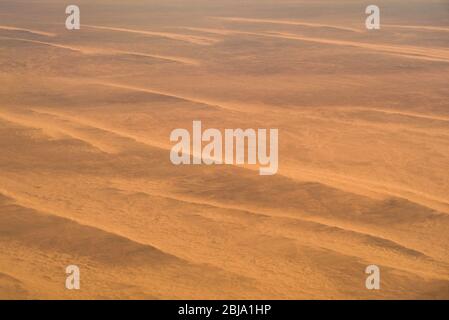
(35, 32)
(172, 36)
(288, 23)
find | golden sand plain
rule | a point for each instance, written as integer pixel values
(85, 176)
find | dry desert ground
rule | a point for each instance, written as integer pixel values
(85, 171)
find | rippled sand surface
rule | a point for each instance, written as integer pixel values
(86, 178)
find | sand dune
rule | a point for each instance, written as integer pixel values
(223, 32)
(55, 45)
(208, 103)
(54, 129)
(357, 186)
(407, 114)
(181, 60)
(86, 177)
(429, 54)
(97, 126)
(413, 52)
(12, 288)
(426, 28)
(49, 233)
(172, 36)
(350, 184)
(319, 25)
(33, 229)
(432, 54)
(101, 51)
(288, 23)
(35, 32)
(70, 127)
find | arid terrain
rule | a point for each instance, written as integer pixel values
(85, 171)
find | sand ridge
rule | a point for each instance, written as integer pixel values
(288, 23)
(172, 36)
(86, 177)
(32, 31)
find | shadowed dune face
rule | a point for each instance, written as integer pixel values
(86, 178)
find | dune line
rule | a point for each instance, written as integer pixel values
(136, 251)
(36, 32)
(289, 22)
(362, 237)
(167, 94)
(214, 204)
(181, 60)
(380, 241)
(172, 36)
(106, 51)
(9, 277)
(321, 25)
(353, 185)
(97, 126)
(412, 52)
(431, 54)
(102, 51)
(402, 113)
(222, 32)
(430, 28)
(356, 186)
(46, 126)
(55, 45)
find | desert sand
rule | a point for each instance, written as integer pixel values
(85, 175)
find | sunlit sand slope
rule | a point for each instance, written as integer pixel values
(85, 171)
